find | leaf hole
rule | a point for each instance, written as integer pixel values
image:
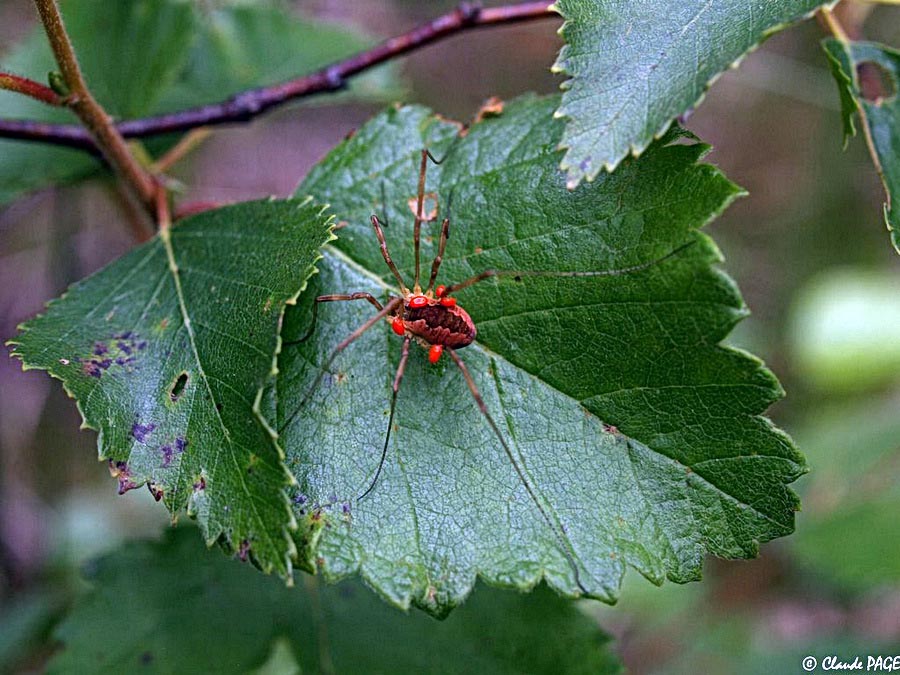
(876, 83)
(178, 387)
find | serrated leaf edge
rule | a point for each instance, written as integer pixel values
(419, 595)
(574, 175)
(211, 539)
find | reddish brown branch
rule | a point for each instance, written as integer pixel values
(97, 123)
(247, 105)
(36, 90)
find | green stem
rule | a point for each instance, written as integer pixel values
(833, 25)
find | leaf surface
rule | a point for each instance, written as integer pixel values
(877, 67)
(235, 617)
(639, 434)
(636, 66)
(166, 350)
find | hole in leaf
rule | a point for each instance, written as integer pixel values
(876, 83)
(178, 387)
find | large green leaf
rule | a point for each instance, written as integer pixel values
(166, 351)
(880, 110)
(196, 612)
(635, 66)
(638, 432)
(152, 56)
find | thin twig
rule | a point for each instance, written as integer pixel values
(248, 105)
(99, 125)
(30, 88)
(136, 216)
(180, 150)
(163, 214)
(833, 25)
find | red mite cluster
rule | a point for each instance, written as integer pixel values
(444, 324)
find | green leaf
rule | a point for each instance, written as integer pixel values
(129, 52)
(196, 612)
(25, 624)
(837, 63)
(690, 468)
(635, 66)
(242, 47)
(166, 351)
(879, 109)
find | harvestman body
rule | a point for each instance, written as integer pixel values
(433, 319)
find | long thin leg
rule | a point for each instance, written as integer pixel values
(487, 274)
(386, 254)
(330, 298)
(436, 265)
(417, 225)
(384, 203)
(346, 342)
(564, 544)
(404, 356)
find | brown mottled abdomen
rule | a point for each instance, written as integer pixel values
(438, 325)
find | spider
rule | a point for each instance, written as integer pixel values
(434, 319)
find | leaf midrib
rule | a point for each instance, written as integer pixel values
(166, 239)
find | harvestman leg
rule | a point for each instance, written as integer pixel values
(393, 304)
(387, 255)
(564, 544)
(398, 378)
(487, 274)
(420, 200)
(417, 225)
(438, 259)
(332, 298)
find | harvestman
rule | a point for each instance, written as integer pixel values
(434, 320)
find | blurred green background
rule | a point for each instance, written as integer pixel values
(808, 249)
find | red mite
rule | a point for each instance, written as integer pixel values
(435, 323)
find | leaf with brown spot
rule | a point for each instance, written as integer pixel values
(177, 408)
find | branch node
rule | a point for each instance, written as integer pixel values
(58, 83)
(246, 105)
(468, 12)
(334, 78)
